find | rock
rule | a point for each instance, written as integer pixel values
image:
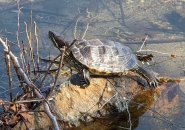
(74, 106)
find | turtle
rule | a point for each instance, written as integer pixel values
(101, 58)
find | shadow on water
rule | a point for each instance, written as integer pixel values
(176, 20)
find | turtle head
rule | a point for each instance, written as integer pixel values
(57, 40)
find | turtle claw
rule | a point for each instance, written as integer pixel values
(150, 76)
(150, 83)
(83, 84)
(153, 83)
(85, 81)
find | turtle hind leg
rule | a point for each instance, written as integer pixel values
(149, 75)
(85, 81)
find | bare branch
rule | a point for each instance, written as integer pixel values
(31, 85)
(48, 70)
(8, 68)
(37, 44)
(85, 31)
(76, 24)
(144, 42)
(17, 33)
(129, 115)
(59, 69)
(148, 50)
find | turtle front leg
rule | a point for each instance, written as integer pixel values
(85, 81)
(149, 75)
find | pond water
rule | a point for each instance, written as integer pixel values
(126, 21)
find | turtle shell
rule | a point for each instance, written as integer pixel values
(104, 57)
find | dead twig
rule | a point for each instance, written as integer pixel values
(30, 36)
(59, 69)
(75, 28)
(17, 33)
(31, 85)
(163, 53)
(2, 102)
(8, 68)
(37, 45)
(31, 60)
(129, 115)
(85, 31)
(149, 50)
(108, 101)
(144, 42)
(48, 70)
(31, 49)
(29, 44)
(27, 101)
(24, 50)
